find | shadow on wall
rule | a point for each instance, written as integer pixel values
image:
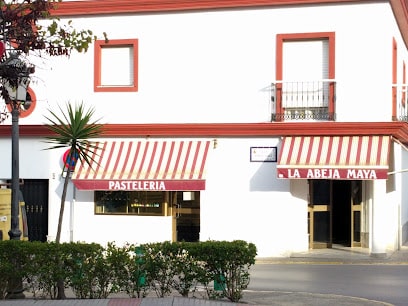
(404, 238)
(265, 179)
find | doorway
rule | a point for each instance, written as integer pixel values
(186, 215)
(35, 194)
(334, 213)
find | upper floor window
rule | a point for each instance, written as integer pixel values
(304, 87)
(116, 65)
(404, 86)
(399, 85)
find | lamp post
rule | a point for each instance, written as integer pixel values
(15, 81)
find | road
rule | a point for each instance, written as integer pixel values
(387, 283)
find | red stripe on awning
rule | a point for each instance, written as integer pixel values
(145, 165)
(334, 157)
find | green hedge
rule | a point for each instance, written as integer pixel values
(221, 268)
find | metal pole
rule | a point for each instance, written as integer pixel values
(15, 287)
(15, 231)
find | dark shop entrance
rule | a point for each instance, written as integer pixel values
(334, 213)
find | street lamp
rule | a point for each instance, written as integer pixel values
(15, 80)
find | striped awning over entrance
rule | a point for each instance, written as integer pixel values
(145, 165)
(334, 157)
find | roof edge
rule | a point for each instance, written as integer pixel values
(400, 10)
(96, 7)
(110, 7)
(398, 129)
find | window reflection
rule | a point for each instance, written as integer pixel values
(130, 202)
(320, 192)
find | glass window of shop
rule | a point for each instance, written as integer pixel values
(145, 203)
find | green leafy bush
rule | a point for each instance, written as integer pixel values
(93, 271)
(14, 264)
(228, 263)
(45, 269)
(159, 269)
(90, 274)
(187, 270)
(128, 266)
(170, 266)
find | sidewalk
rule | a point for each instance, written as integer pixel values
(340, 255)
(336, 255)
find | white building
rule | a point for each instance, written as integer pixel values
(277, 122)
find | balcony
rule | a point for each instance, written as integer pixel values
(303, 100)
(399, 93)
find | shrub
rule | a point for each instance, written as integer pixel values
(128, 265)
(45, 269)
(93, 271)
(159, 269)
(187, 270)
(228, 263)
(14, 263)
(90, 275)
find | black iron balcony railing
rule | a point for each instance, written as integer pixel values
(303, 100)
(400, 97)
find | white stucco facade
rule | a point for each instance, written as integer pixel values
(216, 67)
(198, 60)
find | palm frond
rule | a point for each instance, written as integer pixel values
(73, 128)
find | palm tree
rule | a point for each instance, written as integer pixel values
(73, 129)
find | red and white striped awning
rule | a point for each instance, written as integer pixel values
(145, 165)
(334, 157)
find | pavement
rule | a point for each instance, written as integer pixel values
(336, 256)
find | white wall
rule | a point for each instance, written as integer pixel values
(81, 224)
(396, 214)
(119, 229)
(216, 66)
(245, 200)
(403, 182)
(35, 161)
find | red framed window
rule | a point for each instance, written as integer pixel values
(404, 87)
(116, 65)
(305, 67)
(394, 79)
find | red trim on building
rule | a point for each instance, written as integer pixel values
(400, 9)
(397, 129)
(394, 79)
(404, 81)
(99, 44)
(110, 7)
(281, 39)
(140, 6)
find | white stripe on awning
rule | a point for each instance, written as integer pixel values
(127, 161)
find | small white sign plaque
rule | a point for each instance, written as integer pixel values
(264, 154)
